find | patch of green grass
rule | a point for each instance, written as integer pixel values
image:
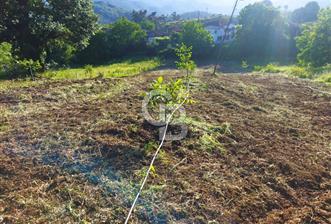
(325, 78)
(320, 74)
(291, 70)
(123, 69)
(270, 68)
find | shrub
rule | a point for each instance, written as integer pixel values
(299, 72)
(25, 67)
(10, 66)
(174, 92)
(185, 63)
(88, 69)
(270, 68)
(6, 58)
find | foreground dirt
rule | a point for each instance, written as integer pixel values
(75, 152)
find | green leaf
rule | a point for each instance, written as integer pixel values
(160, 79)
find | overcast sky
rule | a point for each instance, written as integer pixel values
(292, 4)
(220, 6)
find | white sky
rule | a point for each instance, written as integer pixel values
(222, 6)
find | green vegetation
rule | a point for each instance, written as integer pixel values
(107, 12)
(305, 14)
(185, 63)
(120, 39)
(325, 78)
(123, 69)
(175, 92)
(262, 33)
(10, 65)
(314, 42)
(210, 143)
(40, 30)
(320, 74)
(17, 84)
(195, 35)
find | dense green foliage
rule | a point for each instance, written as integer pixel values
(11, 66)
(314, 43)
(123, 38)
(195, 35)
(6, 58)
(37, 29)
(306, 14)
(263, 32)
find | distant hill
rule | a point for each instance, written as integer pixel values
(129, 5)
(195, 15)
(182, 6)
(108, 13)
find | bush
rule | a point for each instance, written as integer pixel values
(25, 67)
(6, 58)
(299, 72)
(10, 66)
(88, 69)
(270, 68)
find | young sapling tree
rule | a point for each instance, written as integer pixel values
(185, 62)
(172, 95)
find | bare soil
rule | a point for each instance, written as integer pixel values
(75, 152)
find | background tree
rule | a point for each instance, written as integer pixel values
(138, 16)
(306, 14)
(35, 26)
(194, 35)
(123, 38)
(175, 16)
(314, 43)
(262, 32)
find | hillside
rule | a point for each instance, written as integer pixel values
(212, 6)
(195, 15)
(73, 151)
(107, 12)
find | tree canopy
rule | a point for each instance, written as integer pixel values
(37, 27)
(262, 32)
(314, 43)
(193, 34)
(120, 39)
(306, 14)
